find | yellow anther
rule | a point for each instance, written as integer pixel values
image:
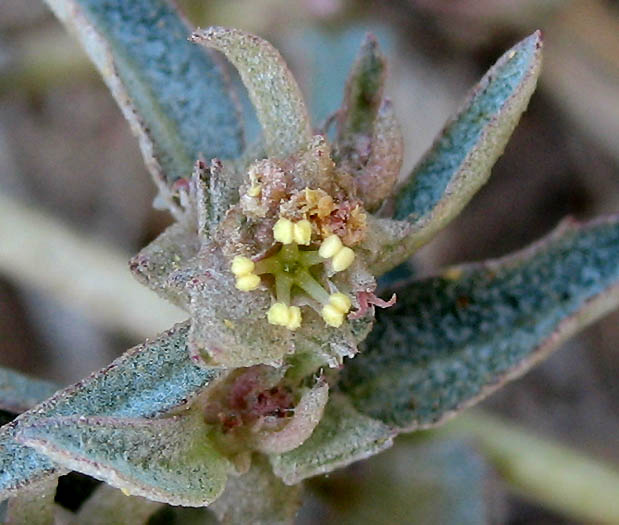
(330, 246)
(333, 313)
(278, 314)
(283, 231)
(332, 316)
(282, 315)
(247, 283)
(254, 190)
(343, 259)
(340, 301)
(294, 318)
(242, 266)
(303, 232)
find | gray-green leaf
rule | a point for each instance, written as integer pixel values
(453, 339)
(168, 459)
(460, 160)
(173, 94)
(272, 88)
(19, 392)
(147, 381)
(342, 437)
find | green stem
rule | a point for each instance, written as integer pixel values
(556, 476)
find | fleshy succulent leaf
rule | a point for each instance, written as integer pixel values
(167, 459)
(32, 506)
(342, 437)
(258, 497)
(19, 392)
(109, 505)
(174, 95)
(460, 160)
(149, 380)
(272, 88)
(453, 339)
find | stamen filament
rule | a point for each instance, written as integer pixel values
(311, 286)
(310, 258)
(269, 265)
(283, 284)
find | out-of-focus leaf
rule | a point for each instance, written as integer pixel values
(110, 505)
(424, 483)
(257, 497)
(342, 437)
(32, 506)
(167, 459)
(460, 160)
(147, 381)
(19, 393)
(174, 95)
(453, 339)
(272, 88)
(326, 54)
(578, 486)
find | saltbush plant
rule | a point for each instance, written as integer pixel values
(293, 361)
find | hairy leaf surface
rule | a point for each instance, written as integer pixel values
(452, 339)
(167, 459)
(173, 94)
(460, 160)
(147, 381)
(272, 88)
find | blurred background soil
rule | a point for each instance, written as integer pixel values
(65, 147)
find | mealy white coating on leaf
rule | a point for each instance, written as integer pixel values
(272, 88)
(168, 460)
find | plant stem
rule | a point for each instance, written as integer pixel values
(556, 476)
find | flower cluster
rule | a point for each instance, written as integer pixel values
(293, 271)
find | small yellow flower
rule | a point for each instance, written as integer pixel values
(290, 268)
